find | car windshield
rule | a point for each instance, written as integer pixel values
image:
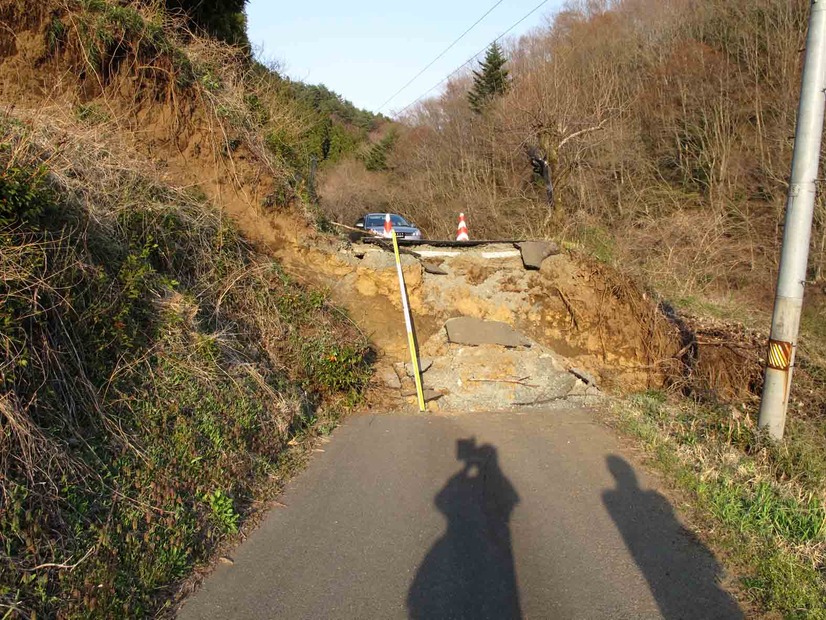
(377, 221)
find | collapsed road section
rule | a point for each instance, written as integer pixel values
(568, 313)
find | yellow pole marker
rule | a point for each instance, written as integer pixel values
(408, 321)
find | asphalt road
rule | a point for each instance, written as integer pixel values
(499, 516)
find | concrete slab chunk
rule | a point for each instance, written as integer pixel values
(434, 268)
(534, 252)
(475, 332)
(429, 394)
(389, 377)
(424, 365)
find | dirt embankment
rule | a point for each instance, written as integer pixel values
(184, 129)
(584, 313)
(580, 310)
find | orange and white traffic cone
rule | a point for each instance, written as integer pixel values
(388, 226)
(462, 233)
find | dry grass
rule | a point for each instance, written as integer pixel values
(655, 164)
(154, 371)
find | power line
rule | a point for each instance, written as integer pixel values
(445, 51)
(472, 58)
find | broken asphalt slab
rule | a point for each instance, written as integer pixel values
(492, 378)
(433, 268)
(475, 332)
(534, 252)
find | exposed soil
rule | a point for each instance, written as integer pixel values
(580, 312)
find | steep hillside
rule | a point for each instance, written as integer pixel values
(160, 378)
(170, 344)
(177, 97)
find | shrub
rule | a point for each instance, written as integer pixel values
(153, 382)
(223, 19)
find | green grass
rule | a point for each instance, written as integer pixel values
(600, 243)
(724, 309)
(100, 37)
(761, 503)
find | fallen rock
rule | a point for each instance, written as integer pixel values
(534, 252)
(583, 375)
(429, 394)
(490, 378)
(424, 365)
(433, 268)
(389, 377)
(475, 332)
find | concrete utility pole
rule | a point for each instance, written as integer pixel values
(794, 257)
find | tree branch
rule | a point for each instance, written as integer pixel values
(581, 132)
(66, 566)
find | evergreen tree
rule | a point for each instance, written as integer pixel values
(491, 80)
(375, 159)
(224, 19)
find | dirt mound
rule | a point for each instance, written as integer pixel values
(582, 312)
(720, 360)
(587, 314)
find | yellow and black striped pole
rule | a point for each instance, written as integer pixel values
(408, 321)
(797, 231)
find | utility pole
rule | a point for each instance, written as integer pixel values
(794, 256)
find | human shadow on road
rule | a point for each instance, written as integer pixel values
(469, 572)
(681, 572)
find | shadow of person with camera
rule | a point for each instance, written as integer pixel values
(681, 572)
(469, 572)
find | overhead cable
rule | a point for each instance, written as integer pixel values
(471, 59)
(435, 60)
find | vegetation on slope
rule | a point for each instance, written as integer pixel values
(223, 19)
(667, 127)
(155, 370)
(159, 379)
(490, 81)
(290, 126)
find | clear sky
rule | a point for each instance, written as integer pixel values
(366, 50)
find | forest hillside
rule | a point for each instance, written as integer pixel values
(160, 376)
(657, 133)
